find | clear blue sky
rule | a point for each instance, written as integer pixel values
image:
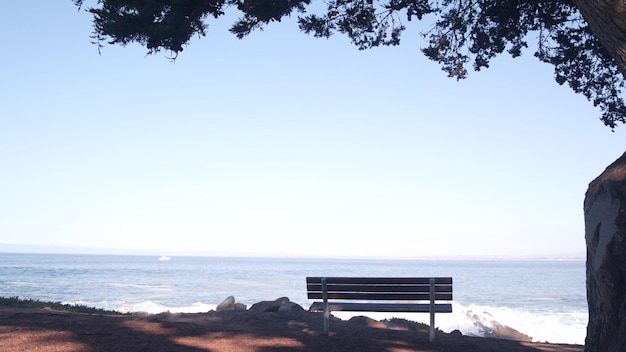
(282, 144)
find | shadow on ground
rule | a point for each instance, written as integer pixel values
(242, 331)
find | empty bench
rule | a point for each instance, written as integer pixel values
(381, 294)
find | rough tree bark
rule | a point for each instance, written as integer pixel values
(607, 20)
(605, 234)
(605, 207)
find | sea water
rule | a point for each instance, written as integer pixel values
(543, 299)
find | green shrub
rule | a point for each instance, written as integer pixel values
(35, 303)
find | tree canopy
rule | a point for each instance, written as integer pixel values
(461, 34)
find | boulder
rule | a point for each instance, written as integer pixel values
(488, 327)
(282, 305)
(367, 321)
(456, 333)
(405, 324)
(290, 307)
(605, 236)
(230, 304)
(505, 332)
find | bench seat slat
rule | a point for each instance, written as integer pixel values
(388, 296)
(380, 280)
(379, 288)
(381, 307)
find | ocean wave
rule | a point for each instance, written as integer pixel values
(489, 321)
(471, 320)
(10, 284)
(148, 306)
(149, 287)
(154, 307)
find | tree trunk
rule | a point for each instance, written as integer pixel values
(607, 20)
(605, 234)
(605, 206)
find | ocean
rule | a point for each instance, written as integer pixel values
(543, 299)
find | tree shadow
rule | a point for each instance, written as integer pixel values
(241, 331)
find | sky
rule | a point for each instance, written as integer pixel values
(281, 144)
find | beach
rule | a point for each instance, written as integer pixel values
(45, 329)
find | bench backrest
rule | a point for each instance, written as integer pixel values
(380, 288)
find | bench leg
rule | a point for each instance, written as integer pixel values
(431, 331)
(326, 309)
(326, 320)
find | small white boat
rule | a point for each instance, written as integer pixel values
(164, 258)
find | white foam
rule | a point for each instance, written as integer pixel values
(554, 327)
(154, 308)
(146, 287)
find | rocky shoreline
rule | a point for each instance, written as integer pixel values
(284, 305)
(279, 325)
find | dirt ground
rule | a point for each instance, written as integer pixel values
(30, 329)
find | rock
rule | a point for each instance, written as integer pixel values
(508, 333)
(230, 304)
(367, 321)
(282, 305)
(499, 331)
(605, 236)
(405, 324)
(488, 327)
(290, 307)
(456, 333)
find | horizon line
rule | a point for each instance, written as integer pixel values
(69, 250)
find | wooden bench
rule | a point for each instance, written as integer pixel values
(381, 294)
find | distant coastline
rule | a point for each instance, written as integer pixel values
(43, 249)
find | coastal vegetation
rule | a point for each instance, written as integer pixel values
(17, 302)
